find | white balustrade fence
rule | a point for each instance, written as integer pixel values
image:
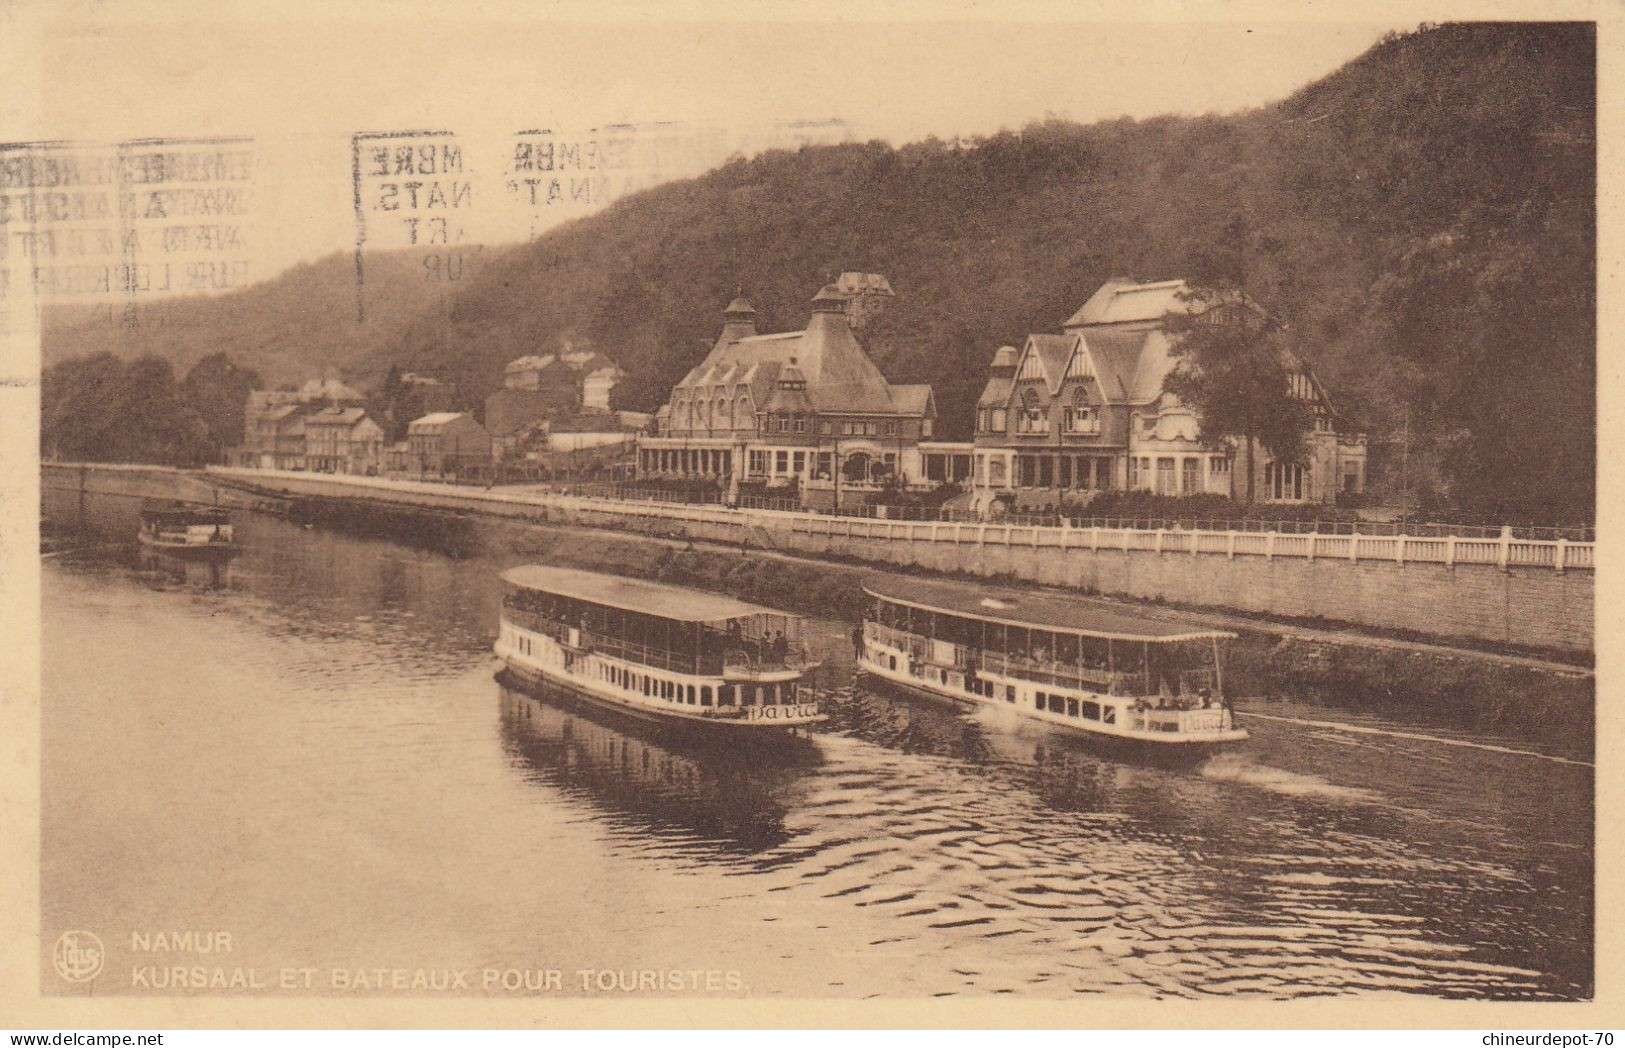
(1503, 551)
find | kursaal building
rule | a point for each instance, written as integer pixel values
(805, 408)
(1061, 417)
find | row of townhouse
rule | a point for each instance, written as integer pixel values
(550, 408)
(1061, 417)
(323, 427)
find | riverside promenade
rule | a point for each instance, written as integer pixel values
(1522, 593)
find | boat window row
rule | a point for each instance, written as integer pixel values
(1068, 706)
(1116, 666)
(705, 695)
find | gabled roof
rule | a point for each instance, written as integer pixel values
(1053, 353)
(529, 363)
(430, 423)
(790, 392)
(1117, 359)
(338, 416)
(996, 393)
(281, 411)
(840, 375)
(852, 283)
(914, 399)
(330, 389)
(1124, 301)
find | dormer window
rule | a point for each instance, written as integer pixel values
(1032, 417)
(1081, 417)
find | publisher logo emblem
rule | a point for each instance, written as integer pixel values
(78, 956)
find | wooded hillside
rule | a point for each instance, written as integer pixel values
(1423, 220)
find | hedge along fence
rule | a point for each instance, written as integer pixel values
(1504, 551)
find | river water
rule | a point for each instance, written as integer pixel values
(314, 758)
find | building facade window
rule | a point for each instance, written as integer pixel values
(1284, 482)
(1032, 417)
(1080, 417)
(1165, 476)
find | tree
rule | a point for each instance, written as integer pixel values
(159, 424)
(217, 390)
(98, 409)
(1232, 367)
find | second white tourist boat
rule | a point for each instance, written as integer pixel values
(1102, 672)
(658, 652)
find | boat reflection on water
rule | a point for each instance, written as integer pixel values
(909, 723)
(162, 567)
(705, 795)
(1061, 771)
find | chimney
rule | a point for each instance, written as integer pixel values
(829, 300)
(738, 320)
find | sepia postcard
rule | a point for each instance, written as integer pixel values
(1025, 515)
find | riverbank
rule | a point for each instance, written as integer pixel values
(1368, 669)
(1429, 683)
(1533, 596)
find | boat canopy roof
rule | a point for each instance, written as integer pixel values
(176, 511)
(1034, 610)
(637, 595)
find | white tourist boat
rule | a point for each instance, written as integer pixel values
(657, 652)
(1106, 673)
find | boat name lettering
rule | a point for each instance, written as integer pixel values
(791, 712)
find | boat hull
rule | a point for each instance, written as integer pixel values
(1176, 746)
(189, 549)
(527, 670)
